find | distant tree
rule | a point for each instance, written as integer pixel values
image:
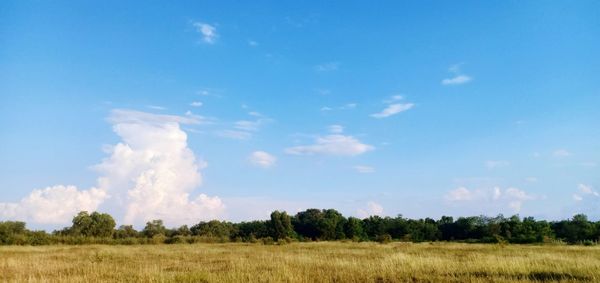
(126, 231)
(153, 228)
(354, 229)
(92, 225)
(280, 225)
(12, 232)
(214, 229)
(306, 223)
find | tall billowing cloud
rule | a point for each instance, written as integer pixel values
(157, 168)
(149, 175)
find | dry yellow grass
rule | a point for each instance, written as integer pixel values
(301, 262)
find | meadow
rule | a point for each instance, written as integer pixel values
(302, 262)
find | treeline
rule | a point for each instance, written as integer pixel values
(312, 225)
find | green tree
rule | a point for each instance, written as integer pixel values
(280, 225)
(153, 228)
(92, 225)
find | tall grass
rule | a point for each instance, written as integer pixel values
(301, 262)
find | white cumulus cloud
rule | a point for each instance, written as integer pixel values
(53, 205)
(372, 208)
(150, 174)
(153, 171)
(489, 199)
(262, 159)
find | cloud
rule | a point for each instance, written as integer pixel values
(196, 104)
(53, 205)
(262, 159)
(585, 191)
(336, 129)
(561, 153)
(209, 32)
(493, 164)
(364, 169)
(148, 174)
(327, 67)
(487, 199)
(531, 179)
(458, 77)
(393, 109)
(252, 43)
(156, 107)
(457, 80)
(335, 144)
(372, 208)
(236, 135)
(245, 125)
(153, 170)
(347, 106)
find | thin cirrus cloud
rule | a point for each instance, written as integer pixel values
(208, 32)
(262, 159)
(138, 178)
(196, 104)
(494, 164)
(333, 144)
(327, 67)
(364, 169)
(393, 109)
(459, 78)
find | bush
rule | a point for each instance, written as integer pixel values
(384, 239)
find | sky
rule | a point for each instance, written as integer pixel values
(189, 111)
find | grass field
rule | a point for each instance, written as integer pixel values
(301, 262)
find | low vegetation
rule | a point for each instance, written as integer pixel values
(302, 262)
(313, 225)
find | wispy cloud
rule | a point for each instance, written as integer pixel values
(334, 144)
(327, 67)
(233, 134)
(336, 129)
(156, 107)
(364, 169)
(196, 104)
(561, 153)
(262, 159)
(252, 43)
(208, 32)
(347, 106)
(493, 164)
(393, 109)
(458, 77)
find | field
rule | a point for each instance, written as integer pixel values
(302, 262)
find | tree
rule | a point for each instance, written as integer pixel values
(126, 231)
(354, 229)
(280, 225)
(92, 225)
(153, 228)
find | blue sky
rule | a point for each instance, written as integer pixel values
(415, 108)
